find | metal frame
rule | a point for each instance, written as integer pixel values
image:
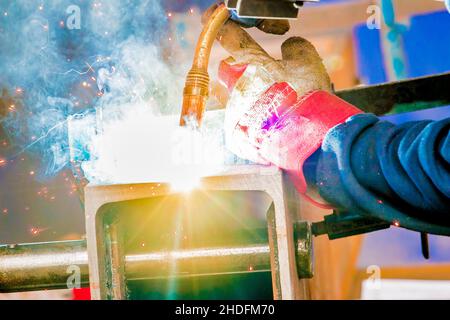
(106, 261)
(429, 92)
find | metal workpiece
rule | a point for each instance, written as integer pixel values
(105, 201)
(56, 265)
(109, 266)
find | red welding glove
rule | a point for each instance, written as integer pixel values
(284, 129)
(279, 111)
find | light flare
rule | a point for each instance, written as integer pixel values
(137, 146)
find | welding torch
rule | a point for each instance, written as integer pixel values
(267, 15)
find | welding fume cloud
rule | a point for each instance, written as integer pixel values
(97, 85)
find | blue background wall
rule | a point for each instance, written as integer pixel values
(426, 44)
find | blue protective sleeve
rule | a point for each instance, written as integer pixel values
(400, 173)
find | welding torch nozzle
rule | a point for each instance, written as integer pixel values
(196, 89)
(195, 95)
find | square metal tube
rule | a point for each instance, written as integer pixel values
(106, 257)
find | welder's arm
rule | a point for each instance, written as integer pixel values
(376, 168)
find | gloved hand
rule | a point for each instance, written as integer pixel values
(279, 110)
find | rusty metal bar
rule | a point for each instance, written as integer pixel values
(197, 262)
(29, 267)
(50, 265)
(39, 266)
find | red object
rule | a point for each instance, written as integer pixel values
(229, 73)
(81, 294)
(287, 129)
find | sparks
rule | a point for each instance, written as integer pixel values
(36, 231)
